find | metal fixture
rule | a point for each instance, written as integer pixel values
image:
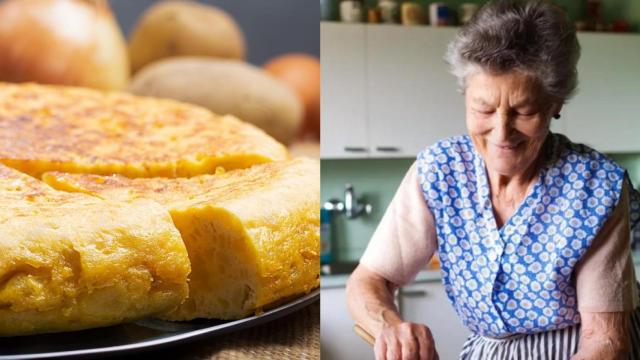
(352, 206)
(389, 149)
(355, 149)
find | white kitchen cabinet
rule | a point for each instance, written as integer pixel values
(337, 339)
(427, 303)
(386, 91)
(343, 118)
(412, 98)
(605, 113)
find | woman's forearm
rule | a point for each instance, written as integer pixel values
(603, 335)
(370, 299)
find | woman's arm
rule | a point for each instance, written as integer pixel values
(402, 244)
(370, 299)
(603, 335)
(605, 285)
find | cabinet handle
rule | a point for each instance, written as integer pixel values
(388, 149)
(355, 149)
(413, 293)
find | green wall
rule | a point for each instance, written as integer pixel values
(377, 180)
(374, 179)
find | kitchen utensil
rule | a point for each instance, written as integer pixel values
(364, 334)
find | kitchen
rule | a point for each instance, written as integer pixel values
(376, 116)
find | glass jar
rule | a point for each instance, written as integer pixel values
(351, 11)
(389, 12)
(411, 13)
(466, 12)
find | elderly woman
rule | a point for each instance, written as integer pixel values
(531, 230)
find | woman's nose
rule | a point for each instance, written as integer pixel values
(503, 125)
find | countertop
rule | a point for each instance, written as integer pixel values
(336, 281)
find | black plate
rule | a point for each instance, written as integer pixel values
(133, 337)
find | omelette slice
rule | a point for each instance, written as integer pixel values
(55, 128)
(252, 235)
(73, 261)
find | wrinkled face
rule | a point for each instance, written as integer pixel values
(508, 118)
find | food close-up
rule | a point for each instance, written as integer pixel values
(153, 191)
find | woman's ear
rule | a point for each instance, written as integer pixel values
(555, 109)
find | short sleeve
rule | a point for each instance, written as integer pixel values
(405, 239)
(634, 214)
(605, 279)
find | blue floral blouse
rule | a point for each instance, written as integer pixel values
(517, 278)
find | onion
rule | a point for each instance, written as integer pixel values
(301, 73)
(68, 42)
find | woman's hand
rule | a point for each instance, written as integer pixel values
(603, 335)
(371, 303)
(405, 340)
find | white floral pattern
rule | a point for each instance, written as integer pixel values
(516, 279)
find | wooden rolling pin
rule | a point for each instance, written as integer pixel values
(364, 334)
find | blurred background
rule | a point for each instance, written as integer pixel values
(256, 60)
(599, 15)
(387, 94)
(271, 28)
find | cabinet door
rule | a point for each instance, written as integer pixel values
(604, 113)
(427, 303)
(412, 98)
(342, 101)
(337, 339)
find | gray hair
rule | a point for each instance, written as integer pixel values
(532, 37)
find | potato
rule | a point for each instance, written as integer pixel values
(225, 87)
(175, 28)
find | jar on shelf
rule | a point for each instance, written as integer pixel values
(439, 14)
(373, 15)
(351, 11)
(594, 18)
(466, 12)
(389, 11)
(411, 13)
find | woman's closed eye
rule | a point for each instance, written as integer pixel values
(524, 113)
(484, 111)
(526, 109)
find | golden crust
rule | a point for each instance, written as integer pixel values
(259, 225)
(45, 128)
(223, 188)
(72, 261)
